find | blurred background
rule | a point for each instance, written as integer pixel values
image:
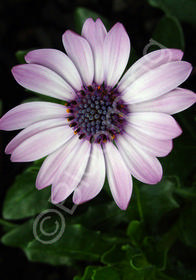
(31, 24)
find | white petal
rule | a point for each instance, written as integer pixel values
(172, 102)
(32, 130)
(95, 33)
(28, 113)
(142, 166)
(157, 125)
(157, 82)
(42, 80)
(94, 177)
(148, 62)
(72, 173)
(118, 175)
(42, 144)
(53, 163)
(151, 145)
(79, 50)
(116, 53)
(57, 61)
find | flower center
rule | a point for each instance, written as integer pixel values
(97, 114)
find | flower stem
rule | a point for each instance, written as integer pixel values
(139, 205)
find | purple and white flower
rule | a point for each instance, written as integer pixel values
(107, 124)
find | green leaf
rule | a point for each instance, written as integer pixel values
(173, 164)
(20, 55)
(135, 232)
(23, 199)
(20, 236)
(169, 33)
(139, 262)
(81, 14)
(186, 193)
(184, 10)
(186, 225)
(128, 273)
(157, 200)
(88, 273)
(54, 242)
(7, 225)
(114, 255)
(105, 217)
(106, 273)
(155, 253)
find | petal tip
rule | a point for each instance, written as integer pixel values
(123, 206)
(54, 198)
(39, 185)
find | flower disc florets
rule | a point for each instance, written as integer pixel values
(97, 114)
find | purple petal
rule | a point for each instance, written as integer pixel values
(94, 177)
(79, 50)
(58, 62)
(153, 146)
(116, 54)
(118, 175)
(28, 113)
(42, 144)
(148, 62)
(95, 33)
(42, 80)
(157, 82)
(54, 162)
(172, 102)
(72, 173)
(142, 166)
(32, 130)
(156, 125)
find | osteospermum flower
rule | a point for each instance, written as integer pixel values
(107, 124)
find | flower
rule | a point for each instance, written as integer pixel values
(107, 124)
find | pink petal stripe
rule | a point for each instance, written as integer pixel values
(118, 175)
(153, 146)
(95, 33)
(79, 50)
(32, 130)
(42, 80)
(142, 166)
(57, 61)
(72, 173)
(157, 82)
(116, 54)
(55, 161)
(172, 102)
(157, 125)
(42, 144)
(28, 113)
(146, 63)
(94, 177)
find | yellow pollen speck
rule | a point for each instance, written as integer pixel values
(75, 132)
(98, 87)
(113, 136)
(68, 110)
